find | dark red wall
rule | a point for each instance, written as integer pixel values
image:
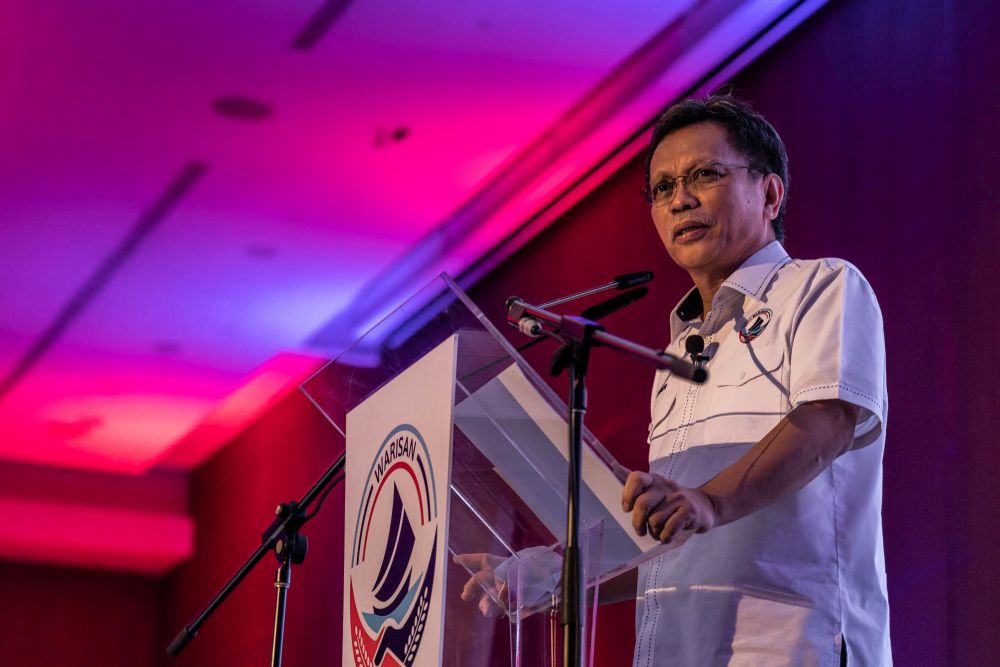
(54, 617)
(233, 497)
(888, 110)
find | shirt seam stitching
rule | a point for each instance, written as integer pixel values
(838, 385)
(767, 276)
(656, 611)
(836, 551)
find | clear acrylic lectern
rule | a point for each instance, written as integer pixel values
(505, 514)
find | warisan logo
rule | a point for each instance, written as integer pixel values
(394, 552)
(756, 323)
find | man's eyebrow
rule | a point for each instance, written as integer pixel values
(700, 162)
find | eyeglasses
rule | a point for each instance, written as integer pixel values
(697, 179)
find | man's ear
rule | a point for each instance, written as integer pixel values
(774, 194)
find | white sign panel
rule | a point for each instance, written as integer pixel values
(396, 516)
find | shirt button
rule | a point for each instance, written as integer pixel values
(742, 375)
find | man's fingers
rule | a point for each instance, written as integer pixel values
(479, 579)
(681, 519)
(659, 506)
(468, 591)
(639, 513)
(472, 561)
(636, 483)
(646, 504)
(658, 518)
(487, 607)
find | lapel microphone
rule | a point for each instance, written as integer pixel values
(695, 345)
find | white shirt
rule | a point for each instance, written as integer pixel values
(787, 584)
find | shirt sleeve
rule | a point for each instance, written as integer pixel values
(838, 347)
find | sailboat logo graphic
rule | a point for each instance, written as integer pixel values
(756, 323)
(394, 554)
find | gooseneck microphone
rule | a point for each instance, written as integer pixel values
(634, 279)
(532, 327)
(622, 282)
(601, 310)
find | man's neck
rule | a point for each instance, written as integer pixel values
(708, 286)
(710, 281)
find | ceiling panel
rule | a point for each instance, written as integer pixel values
(158, 253)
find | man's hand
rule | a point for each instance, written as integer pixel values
(668, 511)
(799, 447)
(483, 567)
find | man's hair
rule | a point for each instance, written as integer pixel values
(746, 129)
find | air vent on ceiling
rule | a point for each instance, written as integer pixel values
(143, 227)
(394, 136)
(241, 107)
(319, 23)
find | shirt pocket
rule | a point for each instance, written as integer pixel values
(749, 364)
(748, 394)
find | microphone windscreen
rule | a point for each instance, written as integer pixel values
(614, 304)
(634, 279)
(694, 344)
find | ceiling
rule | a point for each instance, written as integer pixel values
(201, 201)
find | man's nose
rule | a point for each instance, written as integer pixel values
(683, 198)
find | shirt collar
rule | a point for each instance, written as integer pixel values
(755, 274)
(751, 278)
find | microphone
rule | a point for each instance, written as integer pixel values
(601, 310)
(622, 282)
(634, 279)
(532, 327)
(596, 312)
(695, 345)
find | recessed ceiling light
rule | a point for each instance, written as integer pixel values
(261, 251)
(396, 135)
(241, 107)
(167, 347)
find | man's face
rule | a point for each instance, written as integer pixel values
(709, 233)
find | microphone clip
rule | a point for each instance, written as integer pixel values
(695, 345)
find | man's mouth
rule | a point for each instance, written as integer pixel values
(690, 231)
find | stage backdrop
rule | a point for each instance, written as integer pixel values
(888, 111)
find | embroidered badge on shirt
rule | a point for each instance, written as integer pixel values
(756, 323)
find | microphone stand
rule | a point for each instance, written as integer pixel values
(289, 547)
(579, 335)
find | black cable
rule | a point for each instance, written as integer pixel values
(322, 497)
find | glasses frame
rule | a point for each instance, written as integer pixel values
(647, 191)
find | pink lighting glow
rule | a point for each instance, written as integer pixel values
(89, 536)
(144, 324)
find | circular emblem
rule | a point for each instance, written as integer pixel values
(393, 553)
(756, 323)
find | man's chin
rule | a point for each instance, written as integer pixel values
(692, 256)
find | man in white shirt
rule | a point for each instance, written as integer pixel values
(770, 473)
